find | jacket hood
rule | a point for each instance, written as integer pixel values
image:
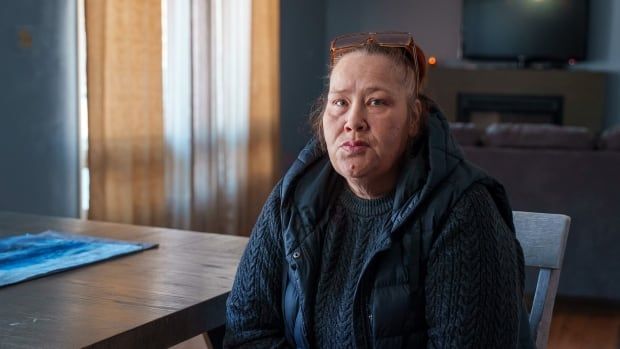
(311, 182)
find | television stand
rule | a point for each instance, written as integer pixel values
(582, 92)
(545, 65)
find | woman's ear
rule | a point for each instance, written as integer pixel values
(414, 121)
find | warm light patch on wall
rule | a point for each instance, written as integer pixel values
(432, 60)
(24, 36)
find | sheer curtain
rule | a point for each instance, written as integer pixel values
(221, 80)
(235, 93)
(177, 78)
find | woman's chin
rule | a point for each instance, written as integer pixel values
(353, 170)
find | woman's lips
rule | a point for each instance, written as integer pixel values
(354, 147)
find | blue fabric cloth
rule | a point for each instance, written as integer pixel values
(28, 256)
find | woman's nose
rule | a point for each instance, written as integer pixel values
(356, 121)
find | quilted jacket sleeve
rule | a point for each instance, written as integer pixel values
(474, 278)
(253, 313)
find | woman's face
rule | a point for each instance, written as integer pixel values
(365, 123)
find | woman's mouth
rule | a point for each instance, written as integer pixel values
(354, 147)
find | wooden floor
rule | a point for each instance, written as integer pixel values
(575, 325)
(585, 325)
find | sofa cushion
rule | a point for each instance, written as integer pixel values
(538, 136)
(466, 133)
(610, 139)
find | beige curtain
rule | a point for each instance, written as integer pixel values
(125, 111)
(234, 120)
(264, 104)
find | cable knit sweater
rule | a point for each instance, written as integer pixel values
(350, 237)
(470, 283)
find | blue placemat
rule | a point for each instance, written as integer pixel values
(28, 256)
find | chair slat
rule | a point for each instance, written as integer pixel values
(543, 237)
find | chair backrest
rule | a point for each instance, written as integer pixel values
(543, 238)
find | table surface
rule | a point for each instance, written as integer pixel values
(151, 299)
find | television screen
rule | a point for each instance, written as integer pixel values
(525, 30)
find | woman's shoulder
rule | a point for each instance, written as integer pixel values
(476, 210)
(268, 223)
(477, 196)
(273, 202)
(475, 223)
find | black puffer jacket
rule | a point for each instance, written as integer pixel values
(391, 287)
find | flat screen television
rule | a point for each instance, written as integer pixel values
(527, 31)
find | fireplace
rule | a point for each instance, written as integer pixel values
(485, 109)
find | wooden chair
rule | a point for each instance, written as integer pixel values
(543, 238)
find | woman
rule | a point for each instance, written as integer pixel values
(380, 234)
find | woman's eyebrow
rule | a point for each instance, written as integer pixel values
(371, 89)
(366, 90)
(338, 91)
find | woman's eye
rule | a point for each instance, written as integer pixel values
(339, 102)
(376, 102)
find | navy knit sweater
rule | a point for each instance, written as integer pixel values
(350, 237)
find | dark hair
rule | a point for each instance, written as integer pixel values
(413, 82)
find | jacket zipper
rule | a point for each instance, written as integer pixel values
(369, 325)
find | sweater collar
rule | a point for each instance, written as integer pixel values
(365, 207)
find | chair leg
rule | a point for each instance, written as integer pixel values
(214, 339)
(207, 340)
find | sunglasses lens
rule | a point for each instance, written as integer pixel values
(350, 40)
(393, 38)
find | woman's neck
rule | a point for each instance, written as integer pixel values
(367, 188)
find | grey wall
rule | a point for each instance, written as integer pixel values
(307, 27)
(38, 108)
(435, 24)
(604, 52)
(303, 59)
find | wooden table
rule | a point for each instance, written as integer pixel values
(155, 298)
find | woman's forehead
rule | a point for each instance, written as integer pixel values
(360, 71)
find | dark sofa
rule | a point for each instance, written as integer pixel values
(547, 168)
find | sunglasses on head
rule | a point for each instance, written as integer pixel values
(349, 42)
